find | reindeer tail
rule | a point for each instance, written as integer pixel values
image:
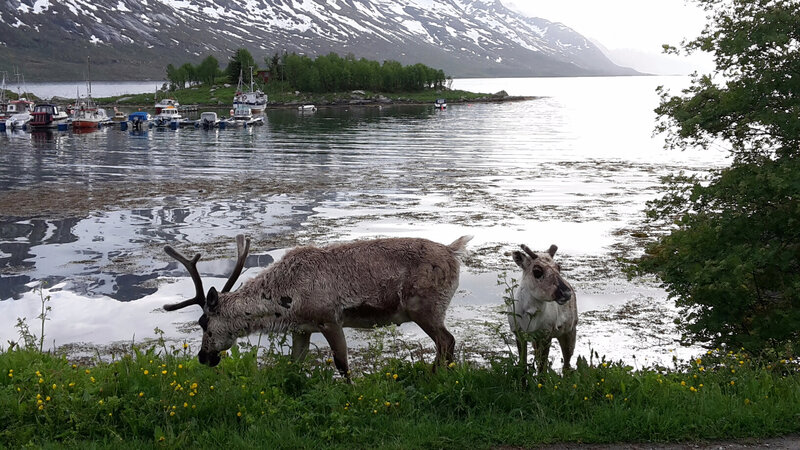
(459, 246)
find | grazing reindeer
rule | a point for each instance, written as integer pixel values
(358, 284)
(543, 308)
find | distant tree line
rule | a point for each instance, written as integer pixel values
(332, 73)
(327, 73)
(204, 73)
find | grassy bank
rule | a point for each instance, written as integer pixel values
(152, 398)
(281, 95)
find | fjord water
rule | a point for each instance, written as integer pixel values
(573, 166)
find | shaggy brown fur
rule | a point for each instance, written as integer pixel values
(356, 284)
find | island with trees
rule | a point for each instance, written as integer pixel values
(291, 79)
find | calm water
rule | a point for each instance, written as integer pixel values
(573, 167)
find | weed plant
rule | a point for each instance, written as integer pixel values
(163, 397)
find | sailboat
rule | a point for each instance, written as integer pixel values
(87, 115)
(254, 99)
(18, 112)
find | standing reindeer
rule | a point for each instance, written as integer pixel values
(358, 284)
(543, 308)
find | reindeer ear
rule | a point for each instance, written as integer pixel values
(552, 250)
(212, 300)
(521, 260)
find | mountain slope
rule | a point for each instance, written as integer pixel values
(136, 39)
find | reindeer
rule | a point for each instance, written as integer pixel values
(544, 308)
(358, 284)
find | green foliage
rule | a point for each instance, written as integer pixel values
(239, 65)
(732, 263)
(753, 105)
(332, 73)
(149, 398)
(731, 259)
(208, 70)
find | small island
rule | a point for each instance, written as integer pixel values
(291, 80)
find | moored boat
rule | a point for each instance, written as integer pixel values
(48, 115)
(166, 115)
(86, 114)
(119, 116)
(139, 120)
(208, 120)
(243, 116)
(166, 103)
(89, 116)
(18, 121)
(307, 108)
(254, 98)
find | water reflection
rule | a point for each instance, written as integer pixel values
(512, 171)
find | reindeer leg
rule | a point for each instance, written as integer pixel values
(541, 353)
(334, 334)
(522, 348)
(567, 343)
(444, 341)
(301, 341)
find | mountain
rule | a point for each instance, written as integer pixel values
(136, 39)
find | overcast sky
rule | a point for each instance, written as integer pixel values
(639, 25)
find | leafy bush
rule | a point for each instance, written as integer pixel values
(731, 260)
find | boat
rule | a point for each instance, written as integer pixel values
(440, 103)
(87, 115)
(48, 115)
(140, 120)
(119, 116)
(208, 120)
(243, 116)
(18, 114)
(307, 108)
(3, 99)
(18, 121)
(167, 115)
(254, 98)
(166, 103)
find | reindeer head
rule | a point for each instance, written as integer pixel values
(542, 276)
(216, 331)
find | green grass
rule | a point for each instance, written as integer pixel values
(281, 93)
(149, 398)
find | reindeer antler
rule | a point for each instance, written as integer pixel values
(242, 247)
(528, 251)
(191, 266)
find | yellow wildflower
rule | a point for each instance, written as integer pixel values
(394, 376)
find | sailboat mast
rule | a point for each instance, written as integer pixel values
(88, 78)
